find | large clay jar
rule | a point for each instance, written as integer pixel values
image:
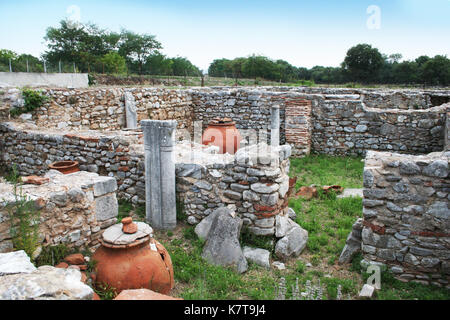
(129, 258)
(65, 167)
(222, 133)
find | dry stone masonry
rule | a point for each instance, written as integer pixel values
(74, 209)
(407, 215)
(254, 183)
(322, 120)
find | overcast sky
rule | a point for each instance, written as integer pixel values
(304, 33)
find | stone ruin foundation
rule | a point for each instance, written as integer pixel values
(75, 209)
(406, 224)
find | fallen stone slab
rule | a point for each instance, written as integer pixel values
(45, 283)
(279, 265)
(143, 294)
(15, 262)
(292, 244)
(203, 228)
(222, 246)
(259, 257)
(348, 193)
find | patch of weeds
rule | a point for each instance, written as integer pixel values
(140, 211)
(348, 286)
(33, 100)
(52, 255)
(169, 233)
(105, 291)
(125, 208)
(13, 175)
(24, 219)
(189, 234)
(300, 267)
(313, 243)
(181, 214)
(356, 262)
(315, 260)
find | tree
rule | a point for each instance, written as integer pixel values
(136, 48)
(220, 68)
(406, 72)
(436, 71)
(82, 44)
(5, 57)
(114, 63)
(363, 63)
(182, 67)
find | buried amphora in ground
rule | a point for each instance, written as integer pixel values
(130, 258)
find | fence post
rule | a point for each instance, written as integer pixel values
(28, 69)
(59, 66)
(45, 67)
(10, 66)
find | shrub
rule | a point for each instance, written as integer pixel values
(24, 220)
(33, 100)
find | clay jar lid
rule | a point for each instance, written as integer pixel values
(126, 233)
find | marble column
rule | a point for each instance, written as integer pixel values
(160, 196)
(130, 111)
(275, 126)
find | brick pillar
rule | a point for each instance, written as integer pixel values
(298, 125)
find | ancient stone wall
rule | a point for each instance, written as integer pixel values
(106, 154)
(74, 209)
(407, 215)
(254, 184)
(348, 127)
(104, 108)
(321, 120)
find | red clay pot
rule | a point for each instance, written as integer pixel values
(134, 266)
(65, 167)
(223, 134)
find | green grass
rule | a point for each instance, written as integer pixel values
(324, 170)
(393, 289)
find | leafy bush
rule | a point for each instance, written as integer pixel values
(33, 100)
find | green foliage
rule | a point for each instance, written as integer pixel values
(189, 233)
(24, 220)
(33, 100)
(315, 169)
(52, 255)
(363, 63)
(13, 175)
(137, 48)
(125, 208)
(181, 214)
(114, 63)
(300, 267)
(105, 291)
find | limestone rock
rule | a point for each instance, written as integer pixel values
(223, 247)
(202, 229)
(292, 244)
(45, 283)
(143, 294)
(260, 257)
(15, 262)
